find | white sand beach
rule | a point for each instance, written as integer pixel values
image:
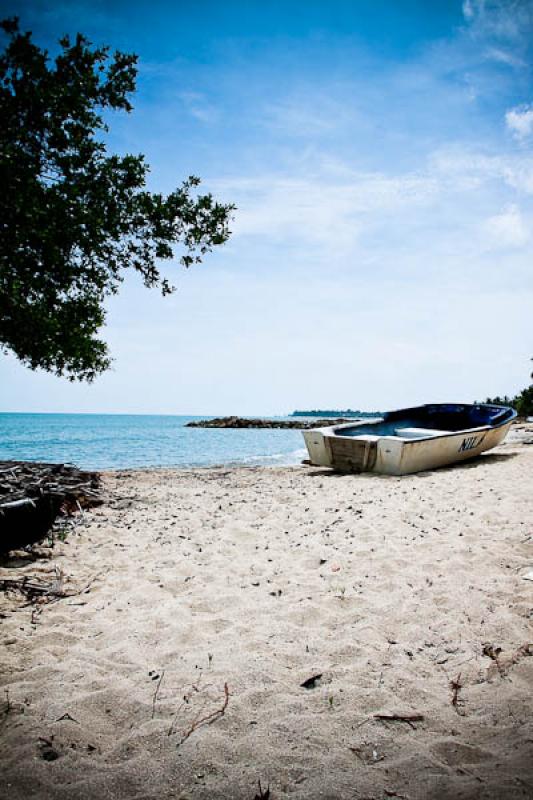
(407, 597)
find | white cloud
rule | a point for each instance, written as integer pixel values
(507, 20)
(467, 169)
(519, 120)
(504, 27)
(468, 9)
(312, 114)
(508, 229)
(294, 119)
(504, 57)
(198, 106)
(325, 210)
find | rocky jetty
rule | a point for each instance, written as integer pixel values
(245, 422)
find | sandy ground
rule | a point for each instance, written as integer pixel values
(398, 592)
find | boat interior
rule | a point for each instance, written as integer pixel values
(431, 420)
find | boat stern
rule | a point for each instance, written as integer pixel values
(319, 455)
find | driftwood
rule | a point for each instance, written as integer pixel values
(31, 589)
(409, 718)
(34, 495)
(35, 590)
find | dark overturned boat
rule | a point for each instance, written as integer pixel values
(410, 439)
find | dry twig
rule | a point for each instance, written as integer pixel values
(195, 687)
(209, 718)
(67, 716)
(520, 653)
(493, 653)
(409, 718)
(156, 691)
(456, 686)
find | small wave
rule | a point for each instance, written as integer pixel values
(275, 459)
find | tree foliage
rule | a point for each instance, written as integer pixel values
(73, 217)
(522, 402)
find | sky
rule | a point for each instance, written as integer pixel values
(380, 155)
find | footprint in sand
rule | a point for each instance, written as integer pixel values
(454, 753)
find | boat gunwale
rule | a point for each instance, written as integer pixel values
(331, 430)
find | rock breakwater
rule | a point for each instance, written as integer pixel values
(245, 422)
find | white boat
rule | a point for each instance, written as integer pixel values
(411, 439)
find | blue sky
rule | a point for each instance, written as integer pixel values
(380, 153)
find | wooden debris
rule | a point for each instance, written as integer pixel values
(38, 592)
(31, 588)
(49, 753)
(494, 653)
(408, 718)
(194, 688)
(263, 795)
(154, 699)
(67, 716)
(456, 686)
(34, 495)
(520, 653)
(504, 662)
(208, 719)
(310, 683)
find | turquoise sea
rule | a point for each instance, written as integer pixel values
(120, 441)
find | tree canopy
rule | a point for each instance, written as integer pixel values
(522, 402)
(73, 218)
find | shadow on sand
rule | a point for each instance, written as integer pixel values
(471, 463)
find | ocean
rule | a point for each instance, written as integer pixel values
(122, 441)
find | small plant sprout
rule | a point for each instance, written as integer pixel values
(62, 534)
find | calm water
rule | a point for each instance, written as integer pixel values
(111, 441)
